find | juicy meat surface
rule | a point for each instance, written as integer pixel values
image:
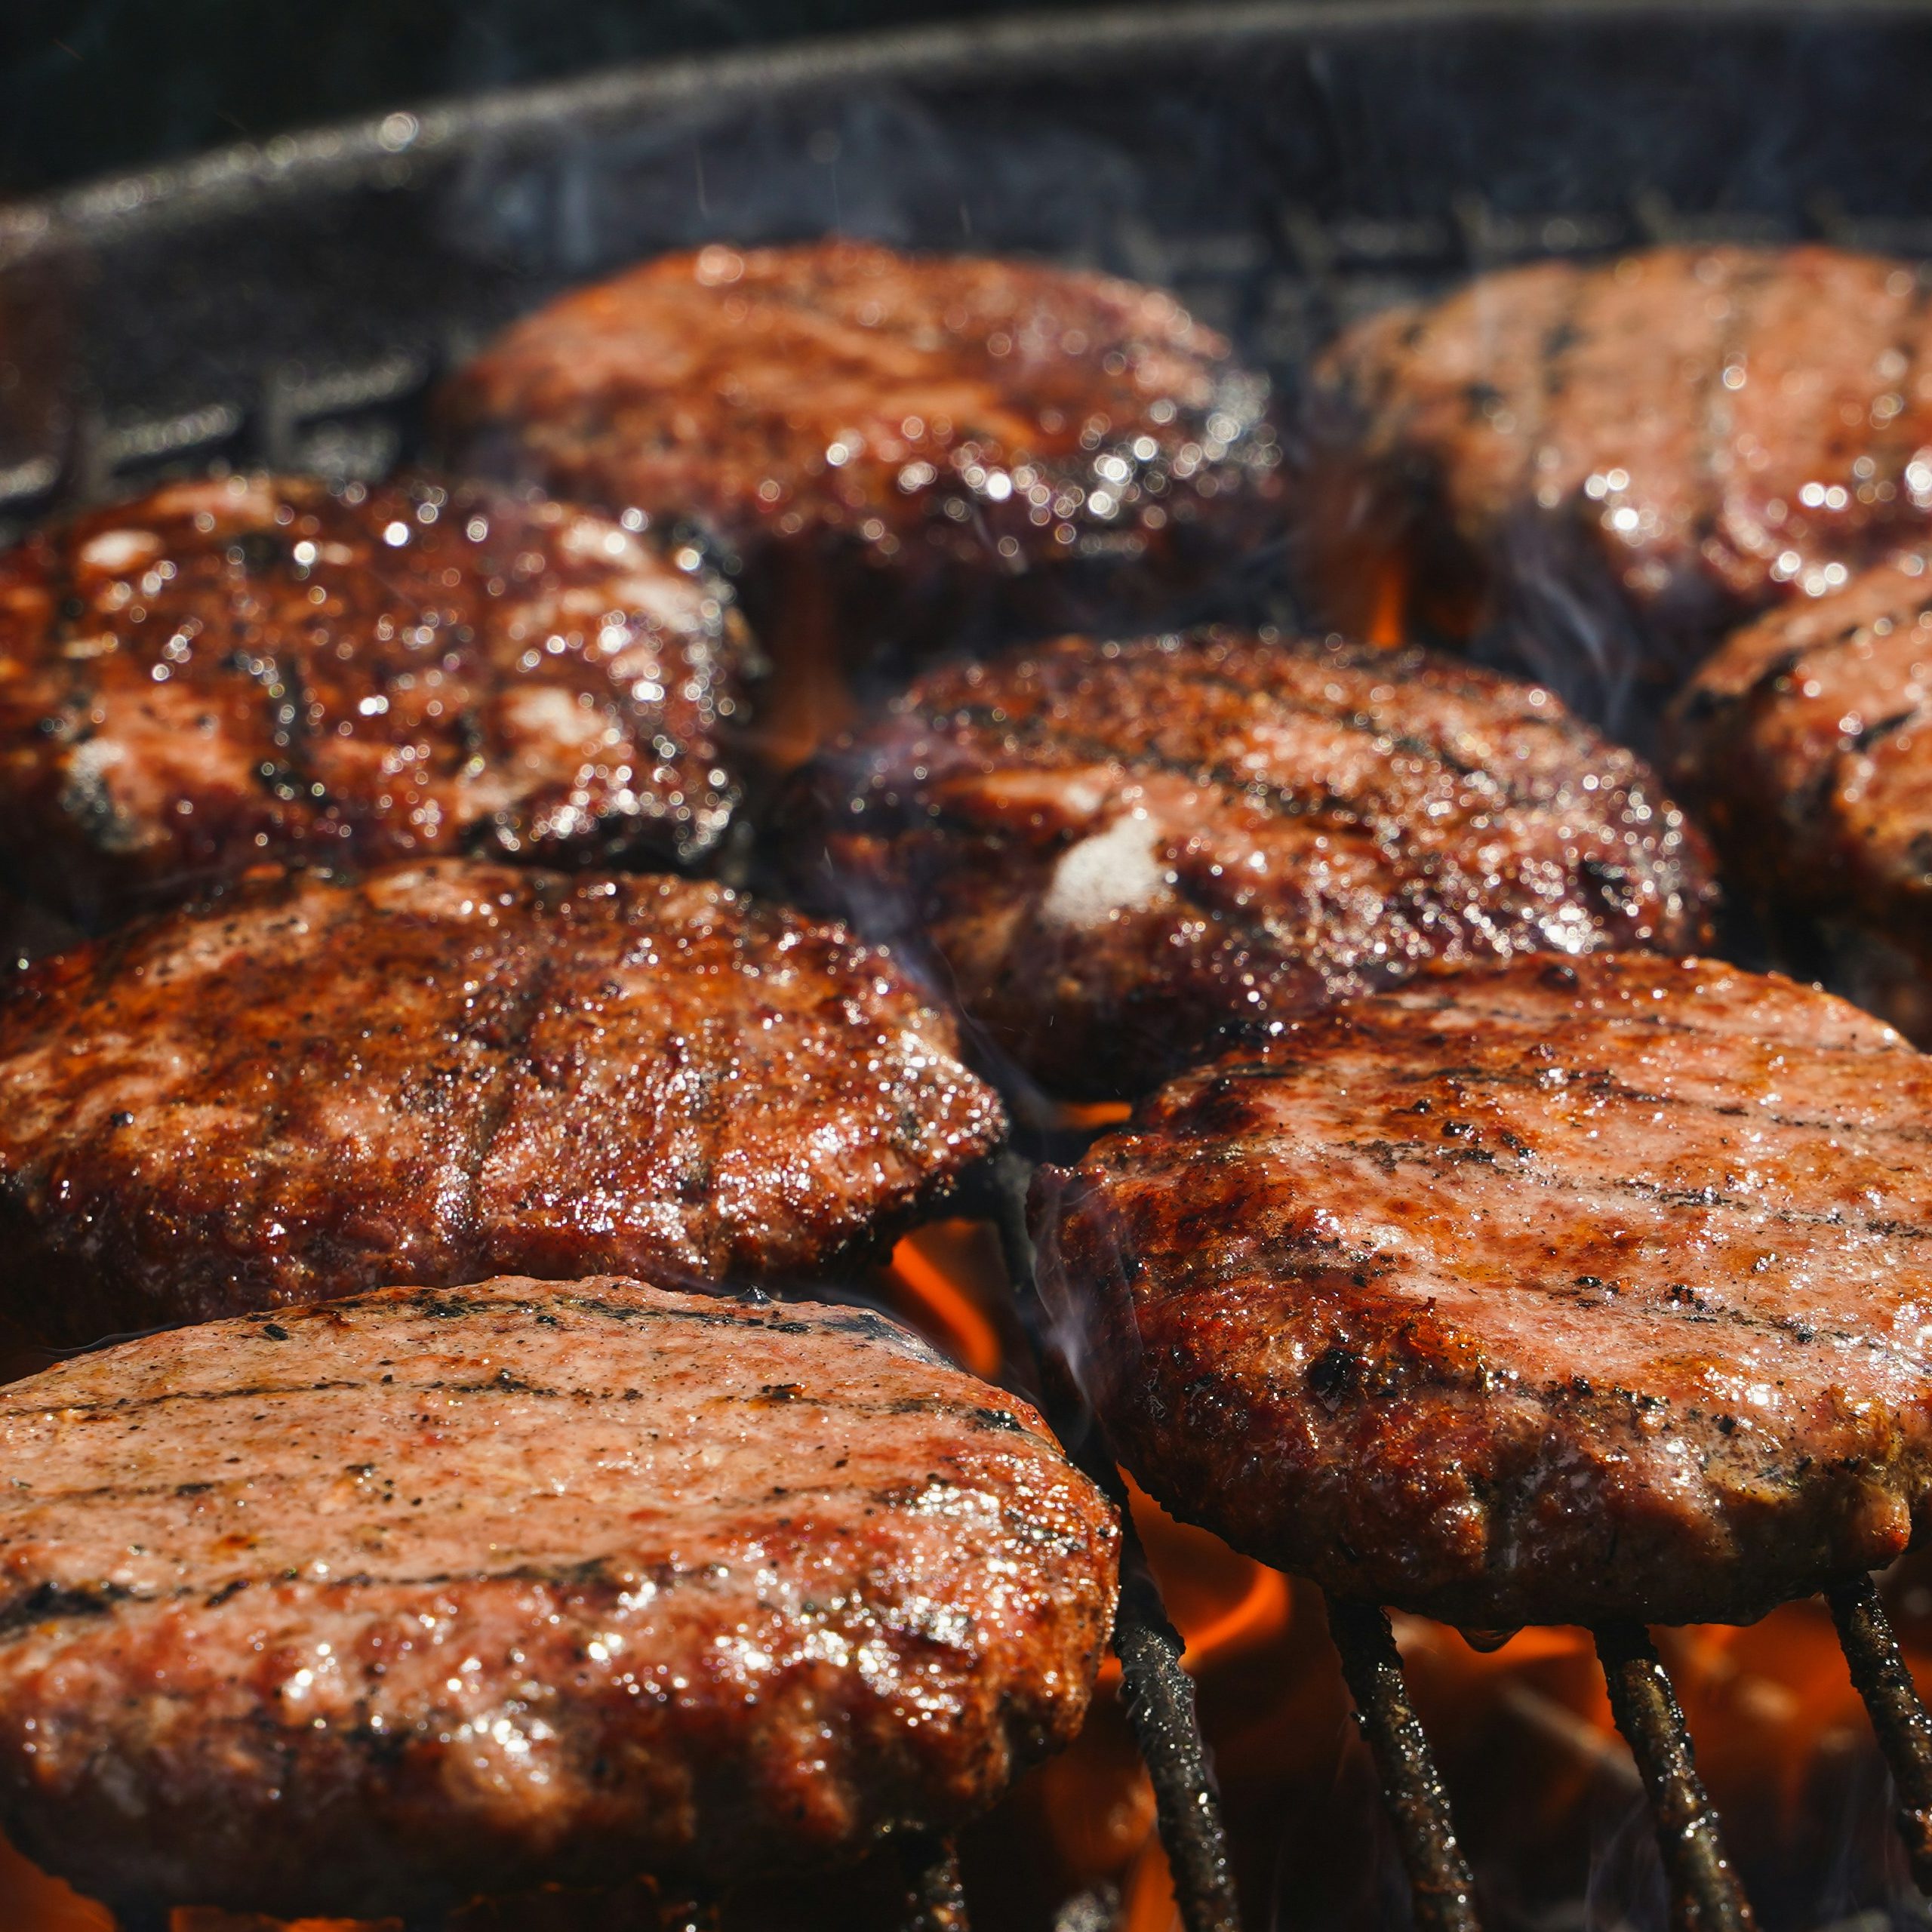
(1574, 1290)
(1806, 741)
(437, 1591)
(1125, 850)
(926, 410)
(251, 668)
(1704, 431)
(313, 1086)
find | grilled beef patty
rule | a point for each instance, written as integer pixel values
(1123, 850)
(1806, 741)
(1570, 1291)
(313, 1086)
(1639, 452)
(956, 424)
(436, 1591)
(228, 671)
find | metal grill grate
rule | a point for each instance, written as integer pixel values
(1287, 168)
(1281, 295)
(1705, 1895)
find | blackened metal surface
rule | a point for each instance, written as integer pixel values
(1159, 1694)
(1439, 1880)
(1898, 1715)
(935, 1898)
(1284, 166)
(1705, 1895)
(1161, 1708)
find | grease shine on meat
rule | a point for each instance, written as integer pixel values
(1632, 455)
(228, 671)
(948, 423)
(377, 1606)
(314, 1085)
(1125, 850)
(1806, 742)
(1567, 1292)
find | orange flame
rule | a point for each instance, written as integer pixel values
(965, 1331)
(1388, 608)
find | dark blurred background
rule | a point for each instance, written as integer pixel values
(88, 87)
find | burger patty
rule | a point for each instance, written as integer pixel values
(313, 1086)
(1806, 741)
(381, 1605)
(945, 419)
(1123, 850)
(1689, 434)
(259, 667)
(1571, 1291)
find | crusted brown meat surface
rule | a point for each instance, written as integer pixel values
(437, 1592)
(255, 667)
(1806, 741)
(1575, 1290)
(927, 412)
(312, 1086)
(1695, 433)
(1123, 850)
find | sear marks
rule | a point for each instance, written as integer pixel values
(1703, 430)
(378, 1605)
(313, 1086)
(1806, 741)
(1570, 1291)
(253, 668)
(925, 412)
(1125, 850)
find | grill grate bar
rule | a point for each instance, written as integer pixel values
(1439, 1878)
(1706, 1895)
(935, 1895)
(1167, 1726)
(1898, 1717)
(1160, 1696)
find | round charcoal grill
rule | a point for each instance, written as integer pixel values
(1284, 168)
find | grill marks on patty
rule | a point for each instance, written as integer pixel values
(226, 670)
(1712, 429)
(1123, 850)
(1561, 1293)
(521, 1582)
(919, 407)
(1806, 741)
(314, 1084)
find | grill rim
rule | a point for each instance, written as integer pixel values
(370, 149)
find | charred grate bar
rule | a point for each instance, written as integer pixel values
(1167, 1726)
(1159, 1694)
(1904, 1730)
(935, 1897)
(1439, 1878)
(1706, 1895)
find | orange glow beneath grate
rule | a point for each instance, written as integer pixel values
(1523, 1728)
(964, 1330)
(1387, 620)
